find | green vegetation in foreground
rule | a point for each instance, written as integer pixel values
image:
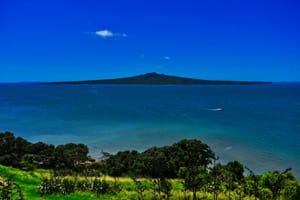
(131, 188)
(29, 182)
(187, 169)
(158, 79)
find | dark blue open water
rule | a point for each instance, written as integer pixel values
(260, 124)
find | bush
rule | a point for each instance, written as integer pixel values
(64, 186)
(10, 190)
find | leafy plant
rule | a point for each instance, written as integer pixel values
(9, 190)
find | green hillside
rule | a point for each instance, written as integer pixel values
(29, 182)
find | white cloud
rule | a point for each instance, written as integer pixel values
(108, 34)
(104, 33)
(167, 58)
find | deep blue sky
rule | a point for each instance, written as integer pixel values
(94, 39)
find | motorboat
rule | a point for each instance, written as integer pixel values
(217, 109)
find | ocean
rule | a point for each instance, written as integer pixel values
(259, 126)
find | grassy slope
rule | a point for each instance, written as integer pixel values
(29, 181)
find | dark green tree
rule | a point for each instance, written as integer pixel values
(122, 163)
(44, 154)
(70, 155)
(12, 149)
(29, 162)
(194, 178)
(236, 170)
(217, 175)
(291, 189)
(252, 184)
(166, 188)
(234, 176)
(275, 181)
(155, 165)
(191, 153)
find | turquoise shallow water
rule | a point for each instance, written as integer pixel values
(260, 124)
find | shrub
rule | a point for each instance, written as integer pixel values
(10, 190)
(64, 186)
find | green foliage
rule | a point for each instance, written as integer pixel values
(291, 190)
(65, 186)
(9, 190)
(275, 182)
(156, 163)
(192, 153)
(252, 183)
(166, 188)
(161, 162)
(17, 152)
(100, 187)
(44, 154)
(233, 178)
(12, 149)
(29, 162)
(55, 185)
(140, 188)
(96, 169)
(122, 163)
(235, 170)
(265, 194)
(194, 178)
(190, 160)
(70, 155)
(76, 188)
(220, 180)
